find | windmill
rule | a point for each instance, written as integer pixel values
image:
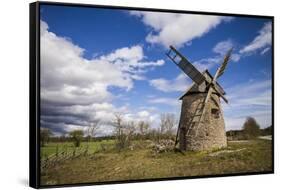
(201, 125)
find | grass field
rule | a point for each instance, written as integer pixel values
(51, 148)
(141, 163)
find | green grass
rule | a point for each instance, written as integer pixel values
(238, 157)
(51, 148)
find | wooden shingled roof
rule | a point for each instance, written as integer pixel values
(194, 88)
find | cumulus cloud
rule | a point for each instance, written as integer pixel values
(180, 83)
(177, 29)
(75, 90)
(130, 59)
(261, 41)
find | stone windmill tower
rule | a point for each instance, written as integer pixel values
(201, 125)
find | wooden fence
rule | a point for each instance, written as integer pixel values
(58, 157)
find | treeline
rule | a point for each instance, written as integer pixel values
(124, 132)
(250, 130)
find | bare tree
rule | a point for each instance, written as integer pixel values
(154, 135)
(143, 127)
(167, 123)
(118, 123)
(130, 129)
(45, 135)
(93, 129)
(123, 131)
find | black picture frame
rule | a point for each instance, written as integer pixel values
(34, 91)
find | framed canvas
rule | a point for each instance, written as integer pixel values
(126, 94)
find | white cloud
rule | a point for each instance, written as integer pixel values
(220, 49)
(153, 118)
(265, 50)
(264, 39)
(134, 53)
(180, 83)
(67, 77)
(235, 57)
(261, 42)
(76, 88)
(166, 101)
(177, 29)
(223, 46)
(207, 63)
(143, 113)
(130, 59)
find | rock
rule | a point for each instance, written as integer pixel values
(162, 146)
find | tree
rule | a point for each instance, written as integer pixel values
(93, 129)
(77, 136)
(123, 131)
(154, 135)
(45, 136)
(266, 131)
(118, 123)
(167, 123)
(251, 128)
(143, 127)
(130, 129)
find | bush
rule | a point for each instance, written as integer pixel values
(77, 136)
(251, 128)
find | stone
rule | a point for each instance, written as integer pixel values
(210, 133)
(163, 146)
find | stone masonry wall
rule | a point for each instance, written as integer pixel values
(210, 133)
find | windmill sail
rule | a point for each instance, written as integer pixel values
(213, 85)
(224, 64)
(186, 66)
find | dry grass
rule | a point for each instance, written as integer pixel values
(253, 156)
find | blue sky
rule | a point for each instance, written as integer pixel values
(97, 62)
